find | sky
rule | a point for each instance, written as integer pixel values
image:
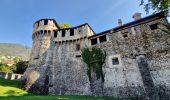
(17, 16)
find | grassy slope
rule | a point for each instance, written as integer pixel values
(9, 88)
(9, 91)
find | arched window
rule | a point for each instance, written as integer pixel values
(49, 31)
(45, 31)
(41, 31)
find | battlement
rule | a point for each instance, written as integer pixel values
(74, 33)
(45, 24)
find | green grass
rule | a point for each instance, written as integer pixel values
(57, 98)
(10, 88)
(9, 91)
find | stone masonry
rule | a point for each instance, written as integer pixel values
(137, 63)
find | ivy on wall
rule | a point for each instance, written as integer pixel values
(94, 59)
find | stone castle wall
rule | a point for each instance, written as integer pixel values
(125, 79)
(137, 61)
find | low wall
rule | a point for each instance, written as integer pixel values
(10, 76)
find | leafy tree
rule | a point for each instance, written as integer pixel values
(167, 30)
(7, 69)
(94, 58)
(21, 67)
(17, 59)
(156, 5)
(63, 26)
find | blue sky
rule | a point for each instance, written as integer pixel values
(17, 16)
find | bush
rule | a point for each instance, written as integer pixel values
(21, 67)
(6, 69)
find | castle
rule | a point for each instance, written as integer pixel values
(137, 63)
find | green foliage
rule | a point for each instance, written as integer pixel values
(32, 97)
(12, 83)
(9, 91)
(87, 58)
(7, 69)
(167, 26)
(156, 5)
(21, 67)
(94, 58)
(17, 59)
(10, 88)
(63, 26)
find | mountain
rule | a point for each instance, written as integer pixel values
(8, 49)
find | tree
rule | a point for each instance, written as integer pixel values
(167, 30)
(156, 5)
(7, 69)
(63, 26)
(21, 67)
(94, 58)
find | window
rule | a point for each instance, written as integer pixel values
(71, 32)
(45, 31)
(63, 33)
(77, 56)
(102, 38)
(125, 34)
(55, 33)
(154, 26)
(49, 31)
(79, 31)
(115, 61)
(36, 58)
(41, 31)
(77, 47)
(94, 41)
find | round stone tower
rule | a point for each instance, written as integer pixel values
(41, 36)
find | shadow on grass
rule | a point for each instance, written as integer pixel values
(34, 97)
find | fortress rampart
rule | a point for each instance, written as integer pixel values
(137, 63)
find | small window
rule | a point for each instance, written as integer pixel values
(77, 47)
(125, 34)
(71, 32)
(63, 33)
(115, 61)
(45, 31)
(36, 58)
(41, 31)
(94, 41)
(102, 38)
(45, 22)
(79, 31)
(154, 26)
(77, 56)
(55, 33)
(49, 31)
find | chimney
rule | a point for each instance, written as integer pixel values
(120, 22)
(137, 16)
